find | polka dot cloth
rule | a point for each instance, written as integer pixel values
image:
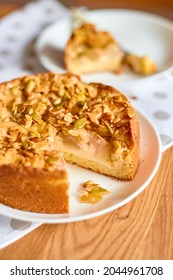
(155, 100)
(18, 32)
(12, 229)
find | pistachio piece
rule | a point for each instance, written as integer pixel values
(92, 192)
(66, 96)
(80, 123)
(99, 190)
(81, 97)
(30, 85)
(52, 159)
(90, 198)
(25, 144)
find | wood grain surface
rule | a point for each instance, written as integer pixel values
(142, 229)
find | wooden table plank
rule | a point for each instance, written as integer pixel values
(5, 9)
(159, 242)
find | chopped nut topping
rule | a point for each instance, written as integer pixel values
(68, 117)
(35, 109)
(89, 36)
(92, 192)
(80, 123)
(90, 198)
(30, 86)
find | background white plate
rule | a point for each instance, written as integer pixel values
(121, 192)
(137, 32)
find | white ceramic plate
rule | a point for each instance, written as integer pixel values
(137, 32)
(121, 192)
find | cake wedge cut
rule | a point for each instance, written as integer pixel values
(91, 50)
(48, 118)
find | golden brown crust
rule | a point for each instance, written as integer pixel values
(33, 189)
(135, 135)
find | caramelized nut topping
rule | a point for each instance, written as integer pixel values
(92, 192)
(80, 123)
(88, 35)
(35, 109)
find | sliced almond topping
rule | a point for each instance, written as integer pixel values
(108, 127)
(68, 117)
(90, 198)
(30, 86)
(36, 108)
(92, 192)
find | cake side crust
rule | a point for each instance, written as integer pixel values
(33, 189)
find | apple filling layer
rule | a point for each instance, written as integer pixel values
(90, 150)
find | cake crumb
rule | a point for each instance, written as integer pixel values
(92, 192)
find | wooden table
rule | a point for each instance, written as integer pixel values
(142, 229)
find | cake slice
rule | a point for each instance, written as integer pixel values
(91, 50)
(45, 116)
(33, 174)
(34, 181)
(100, 129)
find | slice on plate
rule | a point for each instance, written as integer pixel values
(45, 116)
(91, 50)
(34, 180)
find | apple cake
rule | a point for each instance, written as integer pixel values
(46, 118)
(91, 50)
